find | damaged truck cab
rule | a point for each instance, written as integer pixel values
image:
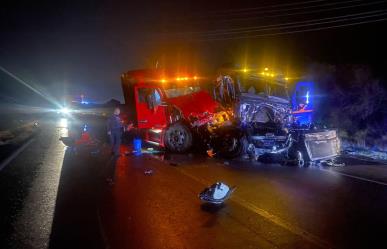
(275, 126)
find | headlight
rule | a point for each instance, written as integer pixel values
(64, 110)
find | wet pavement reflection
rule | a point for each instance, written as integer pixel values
(54, 197)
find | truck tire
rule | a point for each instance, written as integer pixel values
(232, 146)
(178, 138)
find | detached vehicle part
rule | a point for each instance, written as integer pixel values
(217, 193)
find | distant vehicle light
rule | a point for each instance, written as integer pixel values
(266, 69)
(178, 79)
(64, 110)
(286, 78)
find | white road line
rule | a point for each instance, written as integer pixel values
(265, 214)
(15, 154)
(355, 177)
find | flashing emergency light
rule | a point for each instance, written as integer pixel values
(185, 78)
(302, 102)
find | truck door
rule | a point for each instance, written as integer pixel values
(150, 113)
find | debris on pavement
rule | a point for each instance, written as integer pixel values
(95, 152)
(332, 163)
(148, 172)
(110, 181)
(217, 193)
(226, 163)
(211, 153)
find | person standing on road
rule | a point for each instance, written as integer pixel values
(115, 130)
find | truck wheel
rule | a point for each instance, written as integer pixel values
(232, 146)
(178, 138)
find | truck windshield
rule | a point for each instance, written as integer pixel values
(262, 87)
(253, 86)
(277, 91)
(181, 91)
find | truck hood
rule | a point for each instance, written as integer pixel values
(194, 104)
(254, 108)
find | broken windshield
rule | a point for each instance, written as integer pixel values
(263, 87)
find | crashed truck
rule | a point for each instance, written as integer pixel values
(235, 115)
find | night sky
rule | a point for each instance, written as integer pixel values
(65, 49)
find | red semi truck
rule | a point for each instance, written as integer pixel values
(169, 108)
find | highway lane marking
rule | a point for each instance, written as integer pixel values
(15, 154)
(355, 177)
(265, 214)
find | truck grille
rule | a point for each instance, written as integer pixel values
(322, 145)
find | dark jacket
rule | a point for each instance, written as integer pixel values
(114, 123)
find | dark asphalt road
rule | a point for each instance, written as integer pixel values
(53, 198)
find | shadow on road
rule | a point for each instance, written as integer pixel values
(76, 222)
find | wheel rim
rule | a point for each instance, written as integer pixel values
(177, 138)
